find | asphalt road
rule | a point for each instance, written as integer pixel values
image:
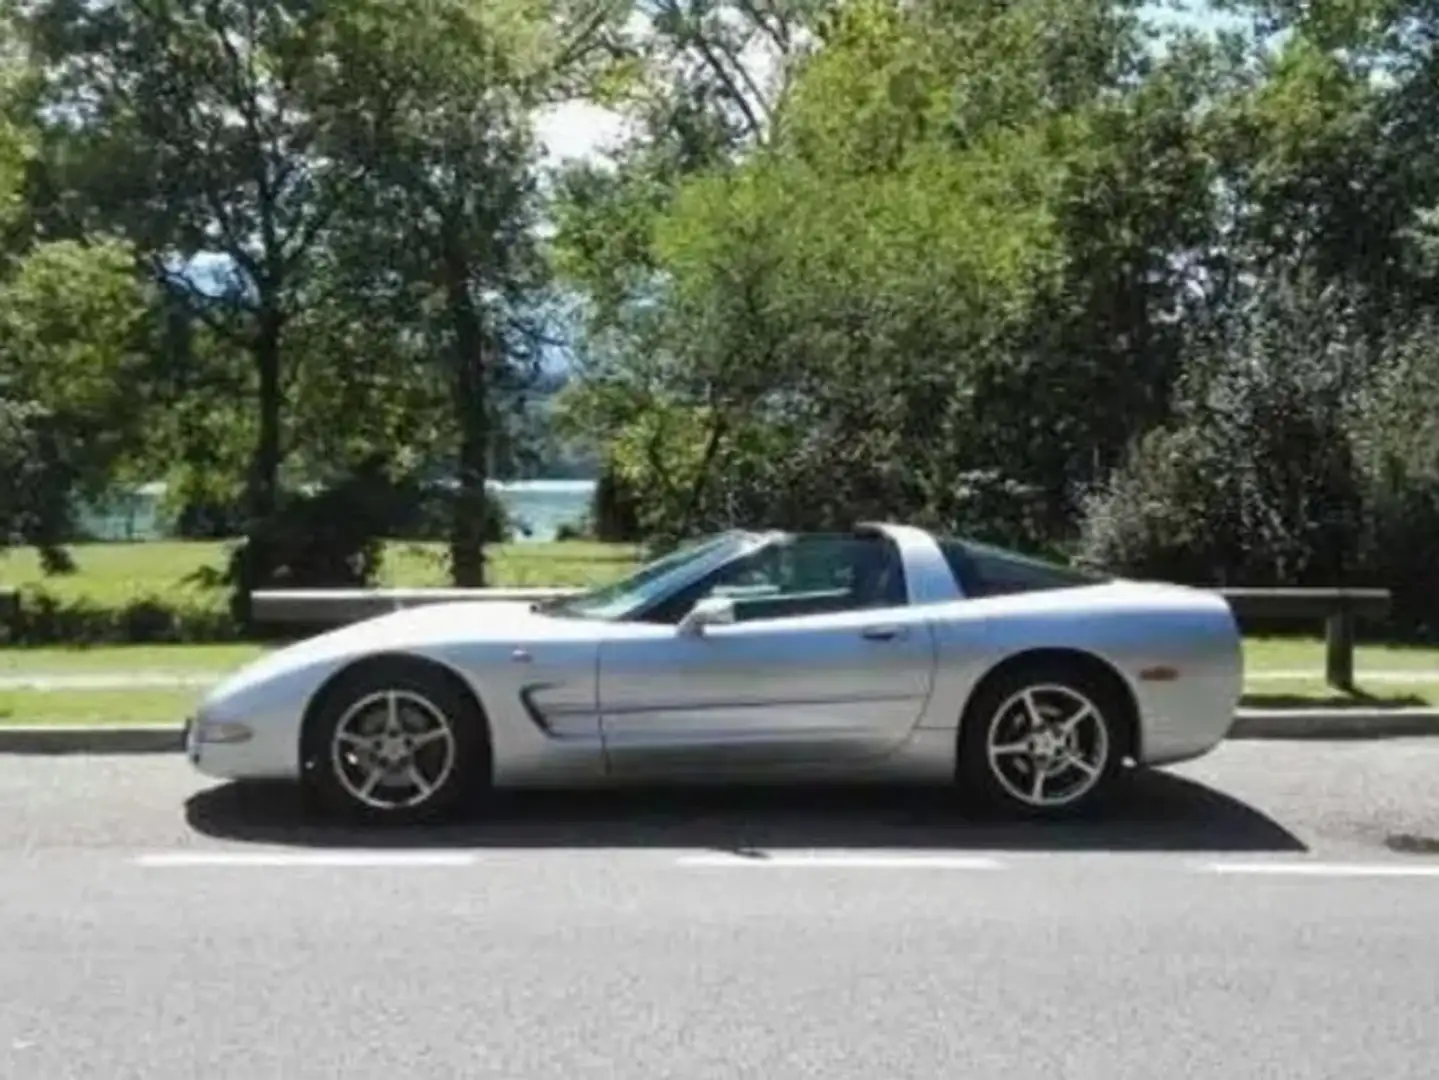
(1267, 912)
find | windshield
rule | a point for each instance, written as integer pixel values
(649, 582)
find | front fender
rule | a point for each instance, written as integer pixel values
(269, 704)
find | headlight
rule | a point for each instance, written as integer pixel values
(221, 731)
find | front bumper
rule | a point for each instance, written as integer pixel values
(255, 748)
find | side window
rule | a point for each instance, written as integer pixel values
(807, 576)
(985, 571)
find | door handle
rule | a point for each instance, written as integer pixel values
(888, 632)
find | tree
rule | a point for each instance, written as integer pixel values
(444, 135)
(868, 295)
(203, 129)
(74, 336)
(74, 331)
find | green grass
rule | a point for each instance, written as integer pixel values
(114, 574)
(1307, 654)
(97, 706)
(119, 659)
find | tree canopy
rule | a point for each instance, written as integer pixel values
(1045, 271)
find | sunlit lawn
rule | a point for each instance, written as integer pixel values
(1313, 693)
(145, 706)
(1307, 654)
(114, 574)
(123, 659)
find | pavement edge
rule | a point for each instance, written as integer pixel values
(1334, 723)
(91, 739)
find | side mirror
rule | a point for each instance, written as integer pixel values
(711, 611)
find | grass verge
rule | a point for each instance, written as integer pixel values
(1306, 653)
(123, 659)
(111, 575)
(168, 591)
(138, 707)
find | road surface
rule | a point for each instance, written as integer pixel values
(1267, 912)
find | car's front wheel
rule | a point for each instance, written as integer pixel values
(395, 742)
(1044, 740)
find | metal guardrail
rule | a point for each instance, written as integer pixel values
(1338, 608)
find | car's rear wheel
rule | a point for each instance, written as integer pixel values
(395, 742)
(1046, 739)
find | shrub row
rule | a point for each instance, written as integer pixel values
(41, 618)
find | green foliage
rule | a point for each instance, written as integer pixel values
(1017, 268)
(74, 327)
(332, 538)
(45, 619)
(172, 591)
(1301, 456)
(615, 512)
(861, 298)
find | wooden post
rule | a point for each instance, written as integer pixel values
(1339, 651)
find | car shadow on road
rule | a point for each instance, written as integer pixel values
(1153, 811)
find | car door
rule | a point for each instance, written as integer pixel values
(826, 664)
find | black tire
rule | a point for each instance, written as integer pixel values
(1001, 783)
(424, 696)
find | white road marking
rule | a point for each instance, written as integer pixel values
(168, 859)
(764, 860)
(1322, 869)
(841, 860)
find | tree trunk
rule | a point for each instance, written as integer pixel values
(256, 561)
(470, 401)
(262, 494)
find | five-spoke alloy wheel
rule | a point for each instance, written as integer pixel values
(395, 741)
(1045, 740)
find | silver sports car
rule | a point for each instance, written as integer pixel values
(886, 653)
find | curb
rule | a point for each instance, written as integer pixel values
(1334, 723)
(1249, 724)
(91, 739)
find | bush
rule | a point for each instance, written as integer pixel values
(1396, 438)
(43, 619)
(419, 511)
(1298, 457)
(614, 511)
(209, 519)
(1256, 481)
(573, 531)
(331, 539)
(1162, 515)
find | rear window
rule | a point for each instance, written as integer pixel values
(989, 571)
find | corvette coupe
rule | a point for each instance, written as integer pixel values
(885, 653)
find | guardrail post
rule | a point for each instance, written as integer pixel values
(1339, 650)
